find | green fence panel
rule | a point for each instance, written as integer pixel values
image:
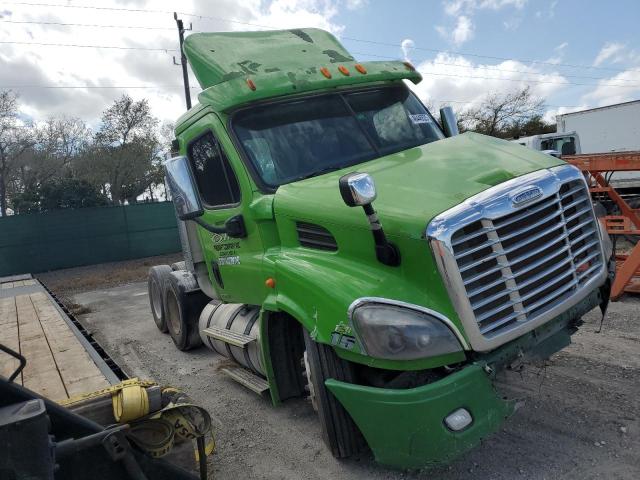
(70, 238)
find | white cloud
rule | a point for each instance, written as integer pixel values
(454, 78)
(456, 7)
(462, 32)
(606, 93)
(35, 65)
(558, 53)
(611, 51)
(406, 45)
(355, 4)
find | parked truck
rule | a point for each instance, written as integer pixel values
(341, 244)
(612, 128)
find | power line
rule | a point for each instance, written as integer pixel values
(492, 68)
(152, 87)
(119, 47)
(358, 53)
(62, 24)
(9, 87)
(76, 45)
(375, 42)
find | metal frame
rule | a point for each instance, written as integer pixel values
(494, 203)
(594, 165)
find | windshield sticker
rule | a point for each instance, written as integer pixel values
(418, 118)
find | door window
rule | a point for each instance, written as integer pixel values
(217, 183)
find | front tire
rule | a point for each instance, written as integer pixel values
(183, 303)
(339, 432)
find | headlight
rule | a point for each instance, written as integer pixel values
(400, 333)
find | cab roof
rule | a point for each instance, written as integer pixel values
(236, 68)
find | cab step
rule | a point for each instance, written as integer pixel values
(245, 377)
(232, 338)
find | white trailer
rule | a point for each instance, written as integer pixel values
(614, 128)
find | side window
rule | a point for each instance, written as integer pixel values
(216, 180)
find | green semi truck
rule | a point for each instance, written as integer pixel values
(341, 243)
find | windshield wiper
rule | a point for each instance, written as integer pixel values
(319, 172)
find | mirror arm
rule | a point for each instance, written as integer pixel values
(209, 228)
(234, 227)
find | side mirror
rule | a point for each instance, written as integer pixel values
(449, 122)
(183, 188)
(359, 190)
(187, 202)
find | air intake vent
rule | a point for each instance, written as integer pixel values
(315, 236)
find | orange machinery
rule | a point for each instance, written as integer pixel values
(595, 166)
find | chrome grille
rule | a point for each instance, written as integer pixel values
(517, 266)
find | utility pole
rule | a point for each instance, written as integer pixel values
(183, 61)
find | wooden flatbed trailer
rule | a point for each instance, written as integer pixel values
(61, 363)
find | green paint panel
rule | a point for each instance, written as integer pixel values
(405, 428)
(69, 238)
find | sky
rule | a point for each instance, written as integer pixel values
(575, 54)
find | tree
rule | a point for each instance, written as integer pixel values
(59, 193)
(500, 115)
(124, 150)
(14, 141)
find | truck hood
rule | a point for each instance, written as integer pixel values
(414, 185)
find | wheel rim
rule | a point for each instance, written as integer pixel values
(156, 299)
(312, 392)
(173, 313)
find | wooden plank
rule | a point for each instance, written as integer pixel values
(29, 282)
(78, 371)
(9, 337)
(7, 285)
(41, 374)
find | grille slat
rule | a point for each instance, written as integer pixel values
(529, 260)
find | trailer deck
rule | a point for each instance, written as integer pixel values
(60, 362)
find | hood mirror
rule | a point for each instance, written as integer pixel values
(449, 121)
(359, 190)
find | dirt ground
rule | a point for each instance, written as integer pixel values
(580, 418)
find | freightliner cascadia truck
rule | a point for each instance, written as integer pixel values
(342, 244)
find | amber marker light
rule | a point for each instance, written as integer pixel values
(251, 84)
(325, 71)
(270, 282)
(361, 69)
(343, 70)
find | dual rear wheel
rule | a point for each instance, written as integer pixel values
(176, 302)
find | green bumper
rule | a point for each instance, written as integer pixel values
(406, 429)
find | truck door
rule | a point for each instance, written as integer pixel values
(225, 191)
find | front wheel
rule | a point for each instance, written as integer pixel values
(339, 431)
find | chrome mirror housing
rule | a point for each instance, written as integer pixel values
(183, 188)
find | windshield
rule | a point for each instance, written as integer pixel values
(290, 141)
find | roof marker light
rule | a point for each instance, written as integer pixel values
(252, 85)
(361, 69)
(325, 71)
(343, 70)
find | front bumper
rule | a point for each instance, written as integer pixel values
(406, 429)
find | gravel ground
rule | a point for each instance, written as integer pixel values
(580, 417)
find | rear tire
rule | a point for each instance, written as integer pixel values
(183, 302)
(339, 431)
(155, 284)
